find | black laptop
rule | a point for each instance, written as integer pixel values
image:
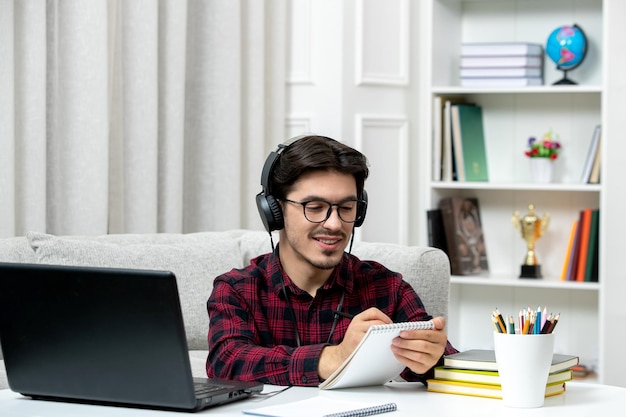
(101, 335)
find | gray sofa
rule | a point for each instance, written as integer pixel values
(197, 258)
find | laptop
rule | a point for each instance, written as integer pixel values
(102, 335)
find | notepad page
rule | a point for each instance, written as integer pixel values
(373, 362)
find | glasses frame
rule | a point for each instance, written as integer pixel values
(330, 208)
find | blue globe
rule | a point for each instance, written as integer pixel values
(567, 47)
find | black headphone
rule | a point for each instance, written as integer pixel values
(269, 209)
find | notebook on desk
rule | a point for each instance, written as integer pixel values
(101, 335)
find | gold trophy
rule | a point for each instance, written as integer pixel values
(531, 228)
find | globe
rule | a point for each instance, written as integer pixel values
(566, 47)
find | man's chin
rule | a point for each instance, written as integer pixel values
(328, 262)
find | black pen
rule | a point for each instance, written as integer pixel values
(342, 314)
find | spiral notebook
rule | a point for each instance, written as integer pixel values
(321, 406)
(373, 362)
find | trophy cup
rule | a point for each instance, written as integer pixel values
(531, 228)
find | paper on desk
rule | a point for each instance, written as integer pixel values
(311, 407)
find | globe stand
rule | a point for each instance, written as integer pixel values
(565, 80)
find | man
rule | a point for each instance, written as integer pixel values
(285, 319)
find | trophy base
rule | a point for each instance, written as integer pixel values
(531, 271)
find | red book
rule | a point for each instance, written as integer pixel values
(584, 244)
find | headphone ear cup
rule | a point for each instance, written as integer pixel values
(361, 210)
(270, 211)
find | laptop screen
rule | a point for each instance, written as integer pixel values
(95, 334)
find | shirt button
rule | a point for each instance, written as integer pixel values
(304, 379)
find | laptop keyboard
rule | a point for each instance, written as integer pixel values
(203, 389)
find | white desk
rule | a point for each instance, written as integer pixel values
(580, 399)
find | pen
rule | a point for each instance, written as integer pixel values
(342, 314)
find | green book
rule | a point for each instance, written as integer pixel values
(592, 251)
(471, 138)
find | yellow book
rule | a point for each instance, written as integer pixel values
(569, 254)
(482, 390)
(489, 377)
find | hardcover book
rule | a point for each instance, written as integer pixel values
(501, 49)
(485, 360)
(482, 390)
(436, 232)
(523, 61)
(502, 82)
(464, 235)
(490, 377)
(469, 142)
(501, 72)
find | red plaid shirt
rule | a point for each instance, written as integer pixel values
(252, 334)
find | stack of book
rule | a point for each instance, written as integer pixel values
(581, 259)
(475, 373)
(501, 64)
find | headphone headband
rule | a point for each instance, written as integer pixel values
(269, 208)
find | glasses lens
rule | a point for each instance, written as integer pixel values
(319, 211)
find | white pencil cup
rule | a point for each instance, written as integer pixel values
(523, 365)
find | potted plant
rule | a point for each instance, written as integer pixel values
(542, 154)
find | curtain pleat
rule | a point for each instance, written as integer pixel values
(78, 136)
(8, 223)
(137, 116)
(30, 113)
(172, 67)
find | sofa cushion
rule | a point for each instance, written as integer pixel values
(426, 269)
(196, 259)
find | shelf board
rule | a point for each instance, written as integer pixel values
(544, 89)
(508, 281)
(504, 186)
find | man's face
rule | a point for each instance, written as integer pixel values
(310, 248)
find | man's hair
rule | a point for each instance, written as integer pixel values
(317, 153)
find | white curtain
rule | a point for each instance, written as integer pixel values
(137, 116)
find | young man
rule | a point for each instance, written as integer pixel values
(285, 319)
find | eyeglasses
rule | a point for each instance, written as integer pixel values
(318, 211)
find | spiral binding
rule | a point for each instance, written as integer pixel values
(368, 411)
(409, 325)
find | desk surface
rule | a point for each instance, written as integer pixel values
(580, 399)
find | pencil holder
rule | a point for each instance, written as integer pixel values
(523, 365)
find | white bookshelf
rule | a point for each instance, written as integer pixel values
(510, 116)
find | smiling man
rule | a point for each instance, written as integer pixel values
(294, 315)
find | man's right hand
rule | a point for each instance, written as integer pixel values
(333, 356)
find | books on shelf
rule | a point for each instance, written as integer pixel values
(489, 377)
(501, 49)
(504, 61)
(464, 235)
(443, 158)
(581, 258)
(485, 359)
(501, 72)
(501, 64)
(502, 82)
(436, 232)
(470, 153)
(459, 149)
(481, 390)
(592, 159)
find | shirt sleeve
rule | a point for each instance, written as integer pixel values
(239, 348)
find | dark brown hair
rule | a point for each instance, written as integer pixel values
(317, 153)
